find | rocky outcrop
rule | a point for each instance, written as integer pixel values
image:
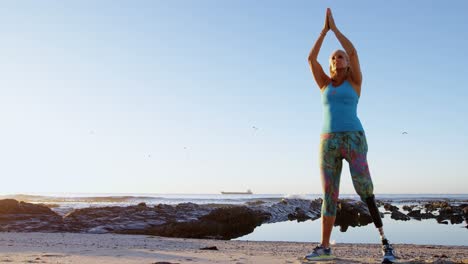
(442, 211)
(182, 220)
(141, 217)
(454, 214)
(221, 223)
(27, 217)
(191, 220)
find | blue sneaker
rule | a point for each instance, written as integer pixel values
(387, 252)
(320, 253)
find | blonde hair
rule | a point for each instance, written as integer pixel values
(348, 69)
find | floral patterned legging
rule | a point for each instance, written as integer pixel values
(334, 147)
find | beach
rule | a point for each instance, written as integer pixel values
(268, 230)
(112, 248)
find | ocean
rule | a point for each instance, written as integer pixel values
(413, 231)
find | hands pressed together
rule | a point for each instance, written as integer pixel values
(329, 22)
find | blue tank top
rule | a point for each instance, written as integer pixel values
(340, 109)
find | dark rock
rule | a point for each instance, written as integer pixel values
(200, 226)
(26, 217)
(209, 248)
(465, 212)
(10, 206)
(454, 214)
(391, 208)
(408, 208)
(142, 204)
(433, 206)
(352, 213)
(397, 215)
(456, 219)
(300, 215)
(115, 219)
(417, 215)
(427, 216)
(446, 211)
(221, 223)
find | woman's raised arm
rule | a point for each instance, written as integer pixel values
(356, 75)
(320, 76)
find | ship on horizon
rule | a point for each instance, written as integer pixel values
(247, 192)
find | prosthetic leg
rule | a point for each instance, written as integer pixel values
(387, 250)
(374, 211)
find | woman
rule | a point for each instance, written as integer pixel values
(342, 137)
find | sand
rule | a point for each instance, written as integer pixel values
(111, 248)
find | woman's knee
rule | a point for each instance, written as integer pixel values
(363, 186)
(365, 193)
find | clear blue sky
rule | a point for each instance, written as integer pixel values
(163, 96)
